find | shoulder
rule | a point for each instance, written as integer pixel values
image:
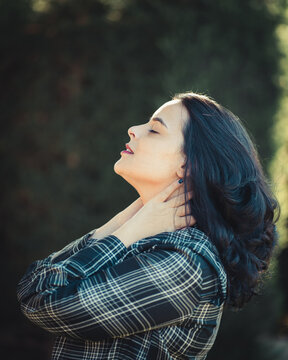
(202, 250)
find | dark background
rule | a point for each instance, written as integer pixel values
(74, 76)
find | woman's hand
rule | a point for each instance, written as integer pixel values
(158, 215)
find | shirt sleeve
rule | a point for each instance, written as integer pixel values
(72, 248)
(95, 295)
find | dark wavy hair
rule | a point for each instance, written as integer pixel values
(232, 199)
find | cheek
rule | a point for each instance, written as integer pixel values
(160, 159)
(149, 149)
(163, 154)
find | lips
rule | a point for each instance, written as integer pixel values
(128, 148)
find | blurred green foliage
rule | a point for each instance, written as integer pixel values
(75, 75)
(279, 165)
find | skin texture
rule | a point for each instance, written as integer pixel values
(158, 159)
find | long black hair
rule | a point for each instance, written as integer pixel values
(232, 199)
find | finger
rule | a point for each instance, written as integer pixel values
(181, 221)
(181, 210)
(180, 199)
(164, 194)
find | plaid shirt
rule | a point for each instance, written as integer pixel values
(160, 298)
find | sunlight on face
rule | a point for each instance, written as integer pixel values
(157, 148)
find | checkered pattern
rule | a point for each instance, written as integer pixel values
(160, 298)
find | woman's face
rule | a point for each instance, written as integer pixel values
(157, 158)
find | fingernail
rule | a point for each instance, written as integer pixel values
(180, 181)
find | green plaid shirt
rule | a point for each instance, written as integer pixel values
(160, 298)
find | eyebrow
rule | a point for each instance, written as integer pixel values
(159, 120)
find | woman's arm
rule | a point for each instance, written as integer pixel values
(93, 295)
(80, 295)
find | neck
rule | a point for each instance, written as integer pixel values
(148, 190)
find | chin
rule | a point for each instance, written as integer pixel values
(115, 168)
(119, 170)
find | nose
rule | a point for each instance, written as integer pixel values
(136, 131)
(131, 131)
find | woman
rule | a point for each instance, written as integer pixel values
(152, 282)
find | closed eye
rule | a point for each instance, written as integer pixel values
(153, 131)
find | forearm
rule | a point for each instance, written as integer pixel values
(46, 292)
(83, 299)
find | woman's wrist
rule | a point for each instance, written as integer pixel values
(127, 233)
(107, 228)
(118, 220)
(129, 211)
